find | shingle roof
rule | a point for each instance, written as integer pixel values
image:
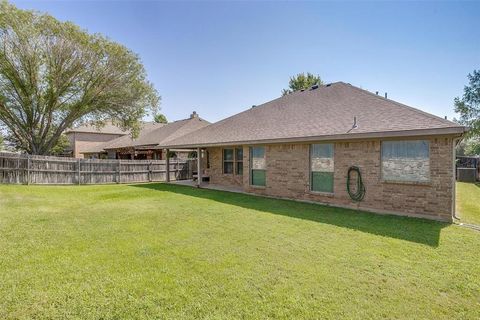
(128, 141)
(94, 147)
(154, 135)
(325, 113)
(171, 131)
(109, 128)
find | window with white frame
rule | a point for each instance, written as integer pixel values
(257, 166)
(321, 167)
(407, 161)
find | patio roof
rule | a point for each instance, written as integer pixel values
(153, 135)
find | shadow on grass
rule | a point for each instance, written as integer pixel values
(410, 229)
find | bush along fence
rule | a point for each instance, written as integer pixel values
(28, 169)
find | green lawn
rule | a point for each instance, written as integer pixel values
(468, 202)
(164, 251)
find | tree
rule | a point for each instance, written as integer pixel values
(1, 142)
(469, 147)
(473, 147)
(54, 76)
(469, 105)
(302, 81)
(160, 118)
(61, 147)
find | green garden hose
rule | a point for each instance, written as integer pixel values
(360, 190)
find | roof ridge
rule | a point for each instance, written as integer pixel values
(398, 103)
(198, 118)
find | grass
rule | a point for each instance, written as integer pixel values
(164, 251)
(468, 202)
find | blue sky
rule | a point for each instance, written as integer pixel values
(220, 58)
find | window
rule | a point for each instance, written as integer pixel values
(228, 161)
(239, 161)
(321, 167)
(257, 166)
(406, 161)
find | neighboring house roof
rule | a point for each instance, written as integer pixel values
(154, 136)
(171, 131)
(323, 113)
(124, 140)
(94, 147)
(127, 140)
(108, 128)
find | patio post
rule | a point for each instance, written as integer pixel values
(199, 168)
(167, 164)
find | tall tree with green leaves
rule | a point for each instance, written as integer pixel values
(63, 144)
(468, 106)
(472, 147)
(302, 81)
(160, 118)
(53, 75)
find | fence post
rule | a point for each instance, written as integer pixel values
(28, 169)
(118, 171)
(177, 170)
(78, 169)
(167, 166)
(150, 171)
(18, 169)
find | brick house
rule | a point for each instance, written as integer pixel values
(88, 137)
(303, 146)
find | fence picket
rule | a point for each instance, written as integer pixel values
(30, 169)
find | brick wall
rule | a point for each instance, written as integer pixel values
(216, 168)
(287, 176)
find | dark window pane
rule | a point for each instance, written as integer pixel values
(239, 169)
(228, 167)
(258, 177)
(324, 150)
(228, 154)
(322, 181)
(239, 161)
(258, 152)
(239, 154)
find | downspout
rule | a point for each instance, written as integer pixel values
(456, 141)
(454, 178)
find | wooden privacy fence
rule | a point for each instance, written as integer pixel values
(28, 169)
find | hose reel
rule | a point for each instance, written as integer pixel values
(359, 193)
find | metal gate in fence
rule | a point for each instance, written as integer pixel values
(28, 169)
